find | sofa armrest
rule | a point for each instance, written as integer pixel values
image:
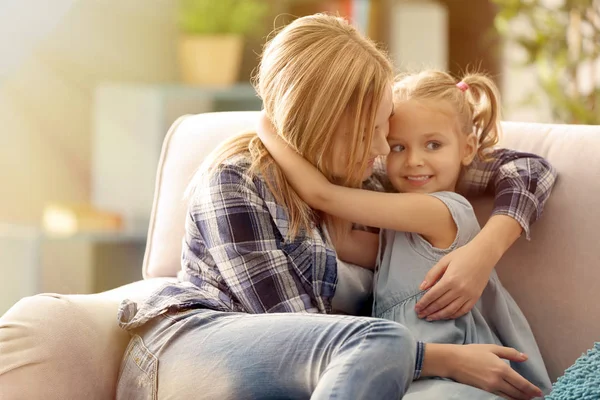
(65, 346)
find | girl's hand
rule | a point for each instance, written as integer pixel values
(481, 365)
(310, 184)
(458, 280)
(265, 129)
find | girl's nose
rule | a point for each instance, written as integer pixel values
(414, 159)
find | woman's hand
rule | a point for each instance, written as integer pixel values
(459, 278)
(481, 366)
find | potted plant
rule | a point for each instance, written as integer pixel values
(562, 40)
(212, 38)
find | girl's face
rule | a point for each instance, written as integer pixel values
(379, 145)
(426, 149)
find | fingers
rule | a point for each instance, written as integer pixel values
(440, 303)
(512, 378)
(508, 353)
(432, 295)
(435, 274)
(448, 311)
(521, 384)
(512, 392)
(463, 310)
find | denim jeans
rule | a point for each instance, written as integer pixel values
(205, 354)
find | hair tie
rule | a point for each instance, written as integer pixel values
(462, 86)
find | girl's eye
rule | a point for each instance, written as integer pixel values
(397, 148)
(433, 145)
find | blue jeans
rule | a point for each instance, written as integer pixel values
(205, 354)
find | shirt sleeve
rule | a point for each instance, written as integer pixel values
(238, 231)
(521, 182)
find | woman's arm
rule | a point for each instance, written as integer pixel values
(521, 183)
(407, 212)
(356, 246)
(481, 366)
(359, 248)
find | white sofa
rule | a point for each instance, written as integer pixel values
(67, 347)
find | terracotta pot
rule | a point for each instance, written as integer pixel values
(210, 60)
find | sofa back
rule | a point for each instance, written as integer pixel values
(555, 277)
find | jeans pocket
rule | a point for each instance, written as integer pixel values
(138, 375)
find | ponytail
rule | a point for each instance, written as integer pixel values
(484, 99)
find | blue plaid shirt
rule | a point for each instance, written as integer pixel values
(236, 259)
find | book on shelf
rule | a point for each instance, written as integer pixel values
(70, 219)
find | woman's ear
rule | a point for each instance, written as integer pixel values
(469, 149)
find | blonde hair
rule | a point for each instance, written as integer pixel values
(477, 108)
(314, 74)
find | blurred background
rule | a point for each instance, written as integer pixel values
(89, 88)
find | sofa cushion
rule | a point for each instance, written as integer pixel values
(190, 139)
(555, 277)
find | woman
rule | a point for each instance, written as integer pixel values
(251, 317)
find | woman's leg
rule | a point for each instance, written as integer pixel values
(443, 389)
(215, 355)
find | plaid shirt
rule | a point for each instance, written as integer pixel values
(236, 259)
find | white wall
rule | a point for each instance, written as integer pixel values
(19, 264)
(46, 100)
(413, 47)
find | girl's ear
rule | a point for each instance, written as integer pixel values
(469, 149)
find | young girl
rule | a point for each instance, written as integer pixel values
(438, 128)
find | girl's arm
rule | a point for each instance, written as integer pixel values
(407, 212)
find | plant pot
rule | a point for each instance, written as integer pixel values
(210, 60)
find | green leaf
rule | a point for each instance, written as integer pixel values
(548, 50)
(206, 17)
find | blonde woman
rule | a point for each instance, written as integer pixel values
(253, 314)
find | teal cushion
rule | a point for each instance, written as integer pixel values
(581, 380)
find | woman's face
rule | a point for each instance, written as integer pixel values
(379, 145)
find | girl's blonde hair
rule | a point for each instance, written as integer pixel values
(316, 73)
(477, 108)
